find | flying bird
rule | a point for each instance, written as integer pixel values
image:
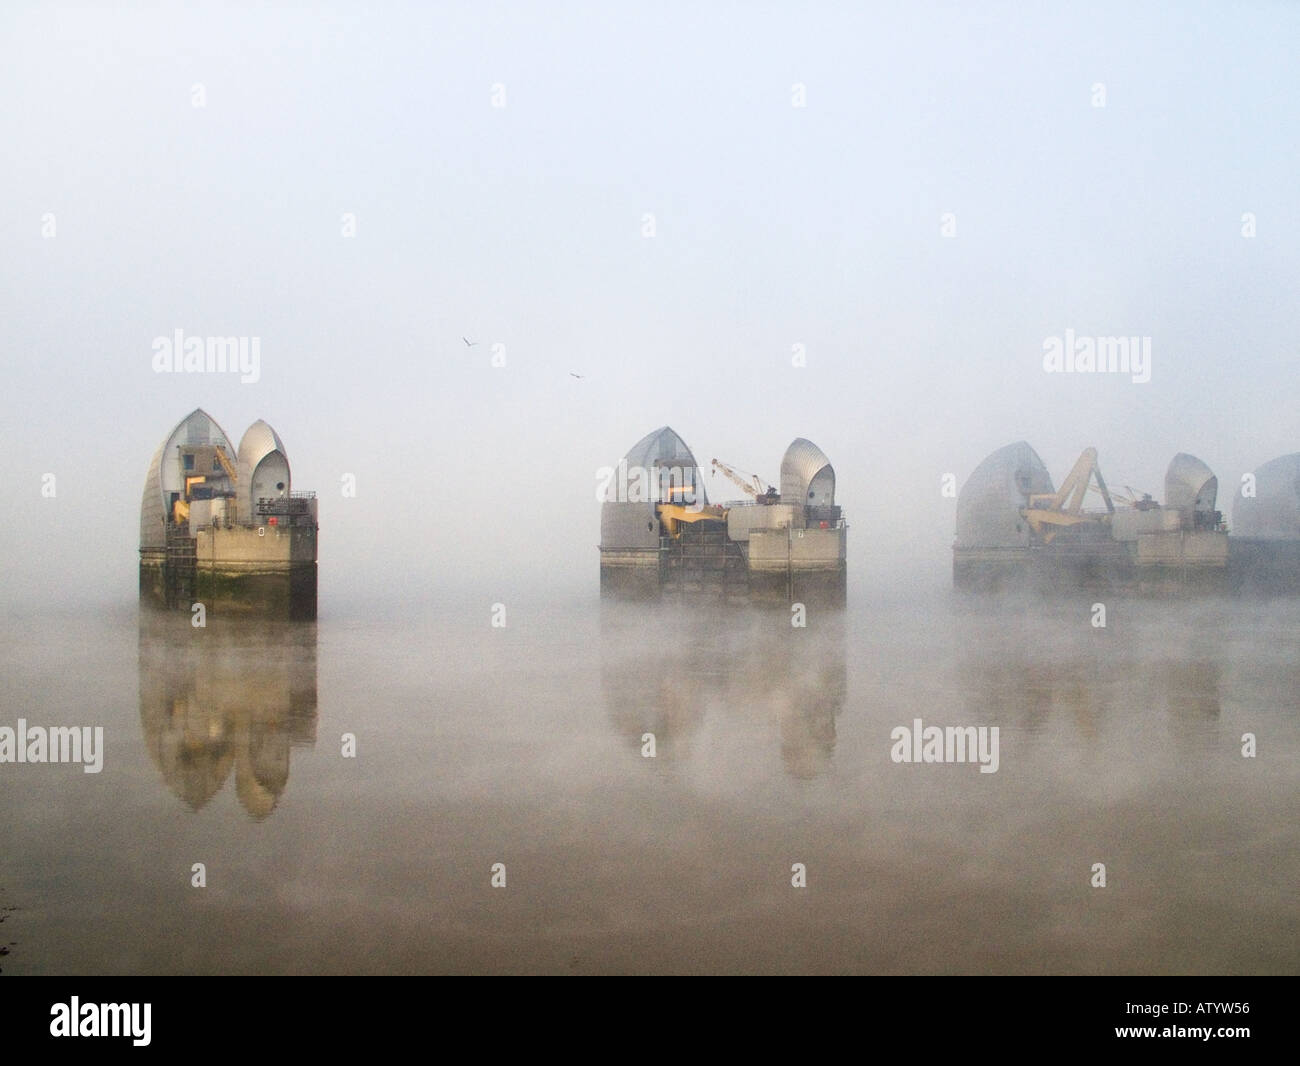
(468, 343)
(573, 375)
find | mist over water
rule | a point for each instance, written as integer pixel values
(524, 745)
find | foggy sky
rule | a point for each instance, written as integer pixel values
(521, 225)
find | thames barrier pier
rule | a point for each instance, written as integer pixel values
(660, 536)
(1016, 530)
(223, 527)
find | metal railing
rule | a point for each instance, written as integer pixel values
(277, 505)
(297, 509)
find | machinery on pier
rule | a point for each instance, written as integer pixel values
(1013, 526)
(1050, 513)
(218, 484)
(753, 485)
(674, 513)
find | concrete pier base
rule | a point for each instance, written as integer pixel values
(718, 571)
(271, 573)
(1162, 564)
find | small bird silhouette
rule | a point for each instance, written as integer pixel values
(573, 375)
(468, 343)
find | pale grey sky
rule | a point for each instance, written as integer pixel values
(522, 225)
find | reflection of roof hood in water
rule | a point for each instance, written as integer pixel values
(239, 699)
(1273, 513)
(632, 523)
(807, 477)
(262, 768)
(989, 504)
(665, 672)
(190, 746)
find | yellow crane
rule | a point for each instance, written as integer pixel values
(225, 462)
(1144, 502)
(1050, 512)
(181, 508)
(754, 486)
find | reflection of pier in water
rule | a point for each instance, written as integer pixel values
(1019, 672)
(229, 695)
(662, 670)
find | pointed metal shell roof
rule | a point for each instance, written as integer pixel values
(660, 446)
(198, 427)
(802, 464)
(989, 504)
(631, 523)
(1189, 484)
(260, 440)
(1273, 513)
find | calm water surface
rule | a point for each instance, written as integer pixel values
(523, 745)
